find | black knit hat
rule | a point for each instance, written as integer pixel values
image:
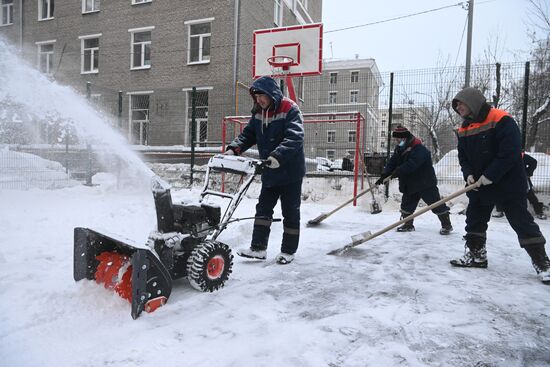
(401, 132)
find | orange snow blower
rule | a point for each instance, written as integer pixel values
(184, 244)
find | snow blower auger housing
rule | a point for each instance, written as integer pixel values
(183, 245)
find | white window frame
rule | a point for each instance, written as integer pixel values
(132, 32)
(330, 99)
(332, 80)
(49, 56)
(6, 11)
(142, 138)
(95, 6)
(278, 13)
(94, 50)
(330, 154)
(49, 10)
(331, 135)
(201, 37)
(354, 76)
(138, 2)
(353, 96)
(331, 119)
(352, 133)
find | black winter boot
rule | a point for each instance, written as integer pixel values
(540, 261)
(475, 254)
(408, 226)
(446, 227)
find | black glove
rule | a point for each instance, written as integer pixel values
(380, 181)
(395, 173)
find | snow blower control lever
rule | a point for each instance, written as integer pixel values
(184, 244)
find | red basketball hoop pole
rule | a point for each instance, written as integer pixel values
(280, 66)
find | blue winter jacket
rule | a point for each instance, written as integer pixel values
(489, 144)
(414, 167)
(278, 132)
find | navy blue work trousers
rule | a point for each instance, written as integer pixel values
(291, 198)
(478, 215)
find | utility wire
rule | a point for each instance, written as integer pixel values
(395, 18)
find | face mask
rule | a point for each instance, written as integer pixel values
(402, 143)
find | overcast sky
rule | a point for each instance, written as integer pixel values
(425, 40)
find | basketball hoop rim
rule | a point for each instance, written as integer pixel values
(285, 65)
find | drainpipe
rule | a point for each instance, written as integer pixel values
(236, 49)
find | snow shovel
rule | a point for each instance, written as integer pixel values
(374, 206)
(322, 217)
(367, 236)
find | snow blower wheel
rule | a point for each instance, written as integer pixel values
(209, 266)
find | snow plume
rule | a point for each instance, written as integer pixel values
(41, 97)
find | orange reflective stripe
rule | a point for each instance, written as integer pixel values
(494, 117)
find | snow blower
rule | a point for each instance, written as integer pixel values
(183, 245)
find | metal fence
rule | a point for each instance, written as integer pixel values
(186, 118)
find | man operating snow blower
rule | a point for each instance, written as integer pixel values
(276, 127)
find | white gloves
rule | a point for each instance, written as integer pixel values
(484, 181)
(273, 163)
(229, 152)
(470, 180)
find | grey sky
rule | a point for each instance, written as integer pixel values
(425, 40)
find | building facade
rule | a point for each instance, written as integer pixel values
(151, 64)
(344, 86)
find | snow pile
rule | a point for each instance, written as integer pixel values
(25, 171)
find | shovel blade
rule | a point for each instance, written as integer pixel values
(316, 221)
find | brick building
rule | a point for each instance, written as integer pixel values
(140, 59)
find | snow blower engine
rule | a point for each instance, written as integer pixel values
(184, 243)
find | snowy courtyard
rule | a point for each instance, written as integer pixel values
(393, 301)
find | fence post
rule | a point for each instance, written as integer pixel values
(390, 112)
(89, 167)
(525, 105)
(193, 131)
(120, 109)
(88, 145)
(67, 154)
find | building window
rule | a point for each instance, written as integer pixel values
(90, 6)
(201, 114)
(333, 78)
(278, 13)
(6, 12)
(45, 9)
(331, 136)
(139, 118)
(199, 41)
(135, 2)
(382, 134)
(90, 54)
(354, 96)
(141, 48)
(330, 154)
(332, 119)
(45, 57)
(382, 144)
(354, 76)
(332, 97)
(352, 134)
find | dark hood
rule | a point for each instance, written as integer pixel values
(476, 102)
(269, 86)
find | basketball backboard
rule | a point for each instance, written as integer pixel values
(303, 43)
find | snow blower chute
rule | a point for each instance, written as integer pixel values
(183, 245)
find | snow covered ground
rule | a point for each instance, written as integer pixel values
(393, 301)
